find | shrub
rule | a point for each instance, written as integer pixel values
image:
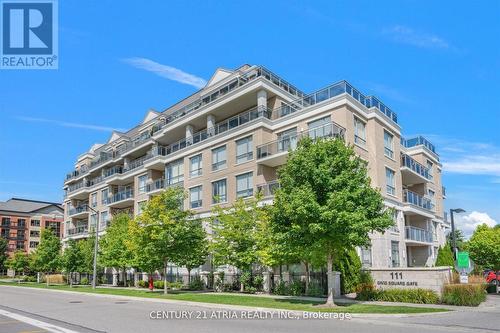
(315, 289)
(464, 294)
(281, 288)
(365, 289)
(143, 284)
(175, 285)
(246, 279)
(30, 278)
(420, 296)
(445, 256)
(196, 283)
(158, 284)
(258, 282)
(251, 290)
(349, 266)
(84, 281)
(296, 288)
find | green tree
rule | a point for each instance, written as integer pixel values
(114, 251)
(445, 256)
(347, 262)
(459, 237)
(484, 247)
(161, 233)
(237, 233)
(198, 247)
(326, 200)
(4, 245)
(19, 262)
(72, 259)
(86, 248)
(48, 253)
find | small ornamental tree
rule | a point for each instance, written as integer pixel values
(112, 245)
(237, 234)
(48, 253)
(71, 260)
(162, 233)
(19, 262)
(197, 245)
(326, 200)
(4, 244)
(484, 247)
(86, 248)
(445, 256)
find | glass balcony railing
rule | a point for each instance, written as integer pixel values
(158, 184)
(418, 141)
(407, 161)
(135, 164)
(78, 210)
(122, 195)
(117, 169)
(81, 230)
(417, 200)
(268, 189)
(337, 89)
(290, 142)
(418, 234)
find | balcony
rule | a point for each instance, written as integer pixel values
(275, 153)
(419, 141)
(418, 201)
(156, 186)
(412, 171)
(122, 199)
(154, 160)
(78, 212)
(418, 235)
(268, 189)
(77, 231)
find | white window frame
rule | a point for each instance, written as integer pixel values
(219, 162)
(144, 177)
(389, 149)
(359, 137)
(221, 198)
(248, 191)
(247, 142)
(199, 202)
(390, 188)
(193, 173)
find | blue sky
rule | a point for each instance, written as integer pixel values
(437, 64)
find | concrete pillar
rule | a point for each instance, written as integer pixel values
(267, 282)
(261, 99)
(286, 277)
(115, 277)
(204, 278)
(136, 279)
(211, 125)
(334, 280)
(189, 134)
(145, 277)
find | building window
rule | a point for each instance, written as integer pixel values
(93, 199)
(244, 150)
(219, 191)
(34, 233)
(219, 158)
(35, 223)
(366, 256)
(105, 196)
(388, 144)
(21, 222)
(93, 220)
(195, 166)
(395, 227)
(142, 183)
(54, 226)
(394, 254)
(244, 185)
(20, 245)
(432, 197)
(390, 181)
(430, 166)
(195, 200)
(33, 244)
(359, 132)
(5, 221)
(287, 140)
(319, 128)
(175, 172)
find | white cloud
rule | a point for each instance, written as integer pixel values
(167, 72)
(68, 124)
(406, 35)
(469, 222)
(474, 165)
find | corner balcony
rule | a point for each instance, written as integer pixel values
(78, 212)
(275, 153)
(417, 235)
(417, 204)
(122, 199)
(413, 172)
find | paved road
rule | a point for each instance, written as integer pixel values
(67, 312)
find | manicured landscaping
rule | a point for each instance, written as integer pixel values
(251, 301)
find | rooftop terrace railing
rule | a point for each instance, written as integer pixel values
(418, 141)
(332, 91)
(410, 163)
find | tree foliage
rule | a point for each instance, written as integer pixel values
(19, 262)
(326, 199)
(445, 256)
(72, 259)
(484, 247)
(347, 262)
(86, 248)
(459, 237)
(47, 257)
(113, 249)
(4, 245)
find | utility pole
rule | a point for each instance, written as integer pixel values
(96, 246)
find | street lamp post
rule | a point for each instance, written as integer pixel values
(96, 245)
(453, 235)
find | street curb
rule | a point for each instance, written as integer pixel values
(229, 306)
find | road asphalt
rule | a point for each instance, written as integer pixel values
(38, 310)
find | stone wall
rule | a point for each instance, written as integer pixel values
(432, 278)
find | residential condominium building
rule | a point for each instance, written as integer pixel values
(22, 221)
(227, 140)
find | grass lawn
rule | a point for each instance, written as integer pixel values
(254, 301)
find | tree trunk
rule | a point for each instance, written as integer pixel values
(124, 276)
(70, 280)
(165, 291)
(308, 278)
(331, 286)
(242, 287)
(189, 276)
